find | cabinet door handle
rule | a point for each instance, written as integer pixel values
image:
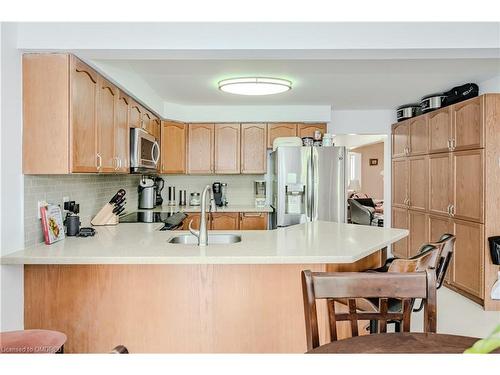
(452, 210)
(449, 144)
(448, 209)
(98, 161)
(453, 144)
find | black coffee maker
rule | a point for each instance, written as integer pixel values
(159, 183)
(217, 191)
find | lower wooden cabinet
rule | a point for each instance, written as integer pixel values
(418, 231)
(253, 220)
(467, 262)
(224, 221)
(229, 221)
(400, 221)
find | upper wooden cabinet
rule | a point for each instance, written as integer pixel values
(439, 130)
(83, 130)
(122, 133)
(307, 130)
(400, 137)
(136, 114)
(253, 149)
(74, 120)
(227, 148)
(418, 135)
(467, 121)
(173, 147)
(106, 117)
(280, 130)
(200, 158)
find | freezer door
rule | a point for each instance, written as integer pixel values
(329, 193)
(290, 185)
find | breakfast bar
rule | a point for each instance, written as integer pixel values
(128, 285)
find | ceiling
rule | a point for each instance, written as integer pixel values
(344, 84)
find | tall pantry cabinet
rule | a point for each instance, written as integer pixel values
(446, 179)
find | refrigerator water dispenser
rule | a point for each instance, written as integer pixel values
(294, 199)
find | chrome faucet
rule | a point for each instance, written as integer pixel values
(202, 234)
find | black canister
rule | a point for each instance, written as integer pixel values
(72, 225)
(495, 249)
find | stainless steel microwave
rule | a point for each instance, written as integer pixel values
(144, 152)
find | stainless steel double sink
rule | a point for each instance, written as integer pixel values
(213, 239)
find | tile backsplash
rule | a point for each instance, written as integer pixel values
(90, 191)
(93, 191)
(240, 188)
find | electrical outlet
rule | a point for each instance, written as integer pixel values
(65, 199)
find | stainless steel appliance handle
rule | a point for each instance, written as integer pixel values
(155, 145)
(310, 187)
(314, 167)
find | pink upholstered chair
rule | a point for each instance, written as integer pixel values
(32, 341)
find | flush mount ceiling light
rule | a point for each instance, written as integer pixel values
(255, 86)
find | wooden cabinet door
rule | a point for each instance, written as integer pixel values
(468, 258)
(224, 221)
(400, 183)
(307, 130)
(196, 221)
(156, 127)
(173, 147)
(468, 185)
(106, 118)
(227, 148)
(467, 125)
(418, 135)
(276, 130)
(400, 221)
(253, 149)
(200, 149)
(122, 133)
(418, 187)
(135, 116)
(418, 224)
(400, 134)
(440, 184)
(84, 89)
(439, 225)
(147, 121)
(253, 221)
(439, 130)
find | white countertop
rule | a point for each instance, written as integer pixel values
(316, 242)
(230, 208)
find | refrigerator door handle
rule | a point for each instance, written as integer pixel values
(315, 172)
(310, 187)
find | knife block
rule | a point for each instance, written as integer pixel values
(105, 216)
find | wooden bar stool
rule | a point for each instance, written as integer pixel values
(32, 341)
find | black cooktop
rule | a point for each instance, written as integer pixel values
(145, 217)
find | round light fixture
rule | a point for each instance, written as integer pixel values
(255, 86)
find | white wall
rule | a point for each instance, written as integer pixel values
(271, 39)
(11, 230)
(247, 113)
(491, 85)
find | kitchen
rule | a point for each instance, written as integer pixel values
(64, 161)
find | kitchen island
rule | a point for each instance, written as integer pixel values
(128, 285)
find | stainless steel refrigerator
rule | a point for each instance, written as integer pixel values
(308, 184)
